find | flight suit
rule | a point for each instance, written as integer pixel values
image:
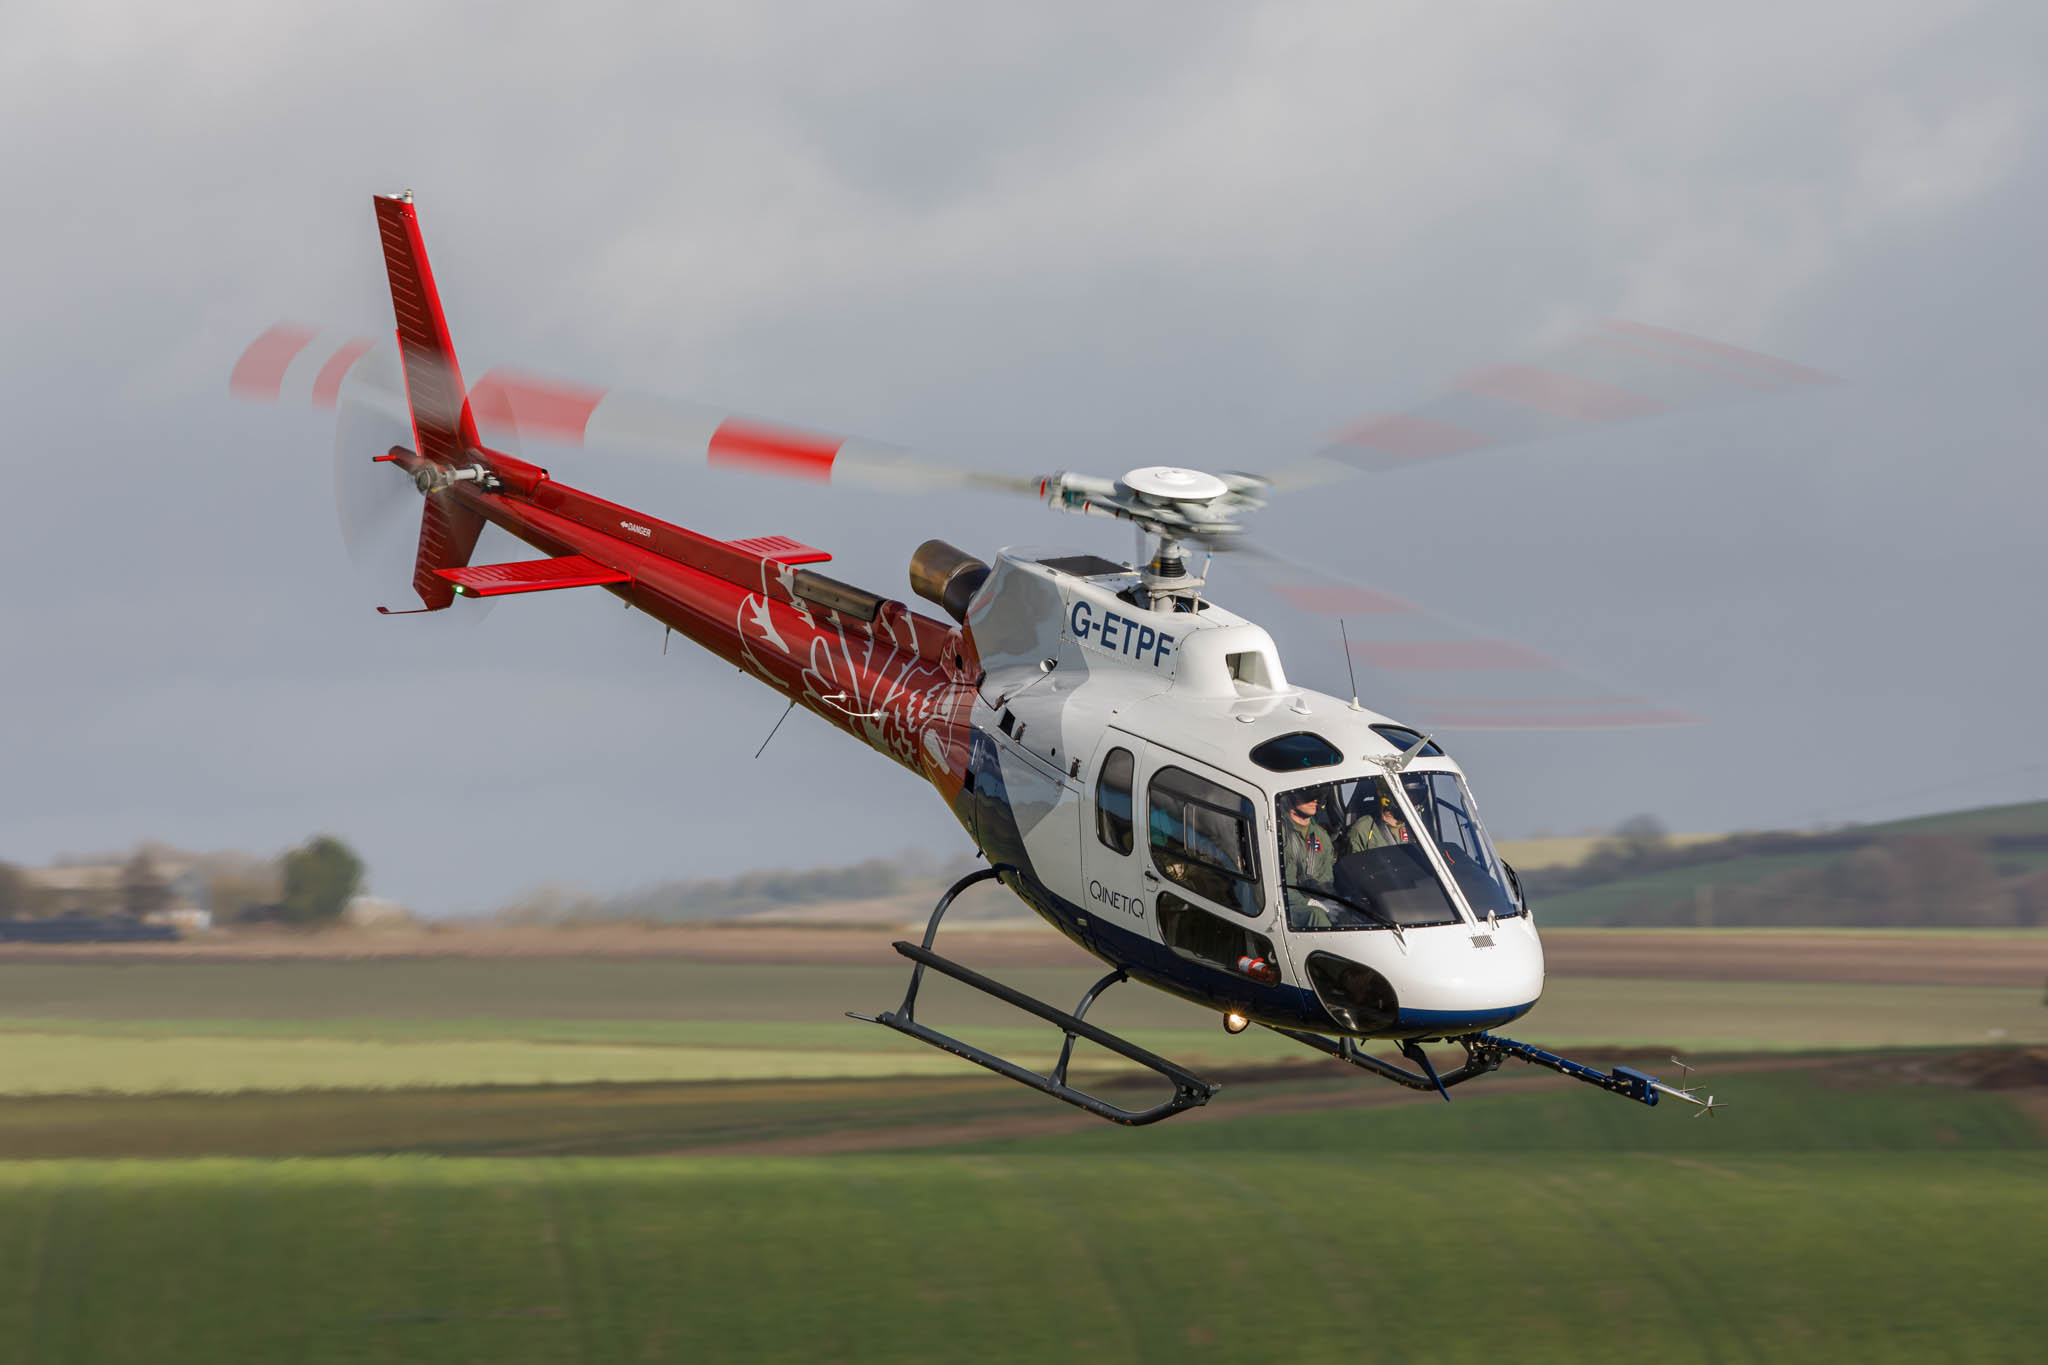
(1369, 831)
(1307, 858)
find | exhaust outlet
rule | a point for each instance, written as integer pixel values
(946, 575)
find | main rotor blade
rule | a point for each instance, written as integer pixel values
(650, 425)
(1607, 372)
(1449, 675)
(293, 360)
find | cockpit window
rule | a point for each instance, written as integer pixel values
(1445, 804)
(1403, 738)
(1201, 837)
(1292, 752)
(1348, 860)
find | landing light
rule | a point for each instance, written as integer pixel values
(1235, 1023)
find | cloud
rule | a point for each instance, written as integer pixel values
(1037, 238)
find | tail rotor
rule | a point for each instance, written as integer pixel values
(378, 506)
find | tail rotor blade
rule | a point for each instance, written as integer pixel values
(375, 503)
(370, 497)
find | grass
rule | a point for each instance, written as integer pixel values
(1838, 1209)
(1140, 1256)
(1861, 1102)
(142, 1028)
(595, 1120)
(1762, 1015)
(47, 1055)
(1819, 1108)
(47, 1064)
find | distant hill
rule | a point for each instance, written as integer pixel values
(1972, 867)
(1570, 850)
(865, 889)
(2028, 819)
(1985, 866)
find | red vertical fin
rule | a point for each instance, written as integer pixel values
(433, 381)
(448, 532)
(443, 430)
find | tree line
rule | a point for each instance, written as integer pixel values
(306, 886)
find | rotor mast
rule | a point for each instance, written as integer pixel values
(1166, 576)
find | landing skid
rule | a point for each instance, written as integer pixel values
(1189, 1090)
(1484, 1052)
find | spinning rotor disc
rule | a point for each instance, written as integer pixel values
(1604, 372)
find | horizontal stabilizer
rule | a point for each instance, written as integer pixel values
(532, 575)
(781, 549)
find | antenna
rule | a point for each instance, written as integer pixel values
(777, 726)
(1349, 667)
(1685, 1092)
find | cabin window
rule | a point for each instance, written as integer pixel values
(1290, 753)
(1194, 933)
(1113, 801)
(1201, 837)
(1403, 738)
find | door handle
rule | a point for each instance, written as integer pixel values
(1151, 878)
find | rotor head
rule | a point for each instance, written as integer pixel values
(1166, 500)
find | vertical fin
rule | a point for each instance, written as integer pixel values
(448, 533)
(441, 422)
(443, 430)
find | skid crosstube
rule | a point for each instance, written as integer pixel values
(1189, 1091)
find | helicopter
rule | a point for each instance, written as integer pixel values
(1128, 755)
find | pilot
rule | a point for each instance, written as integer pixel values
(1306, 858)
(1380, 826)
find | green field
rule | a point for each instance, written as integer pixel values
(508, 1162)
(209, 1027)
(1238, 1254)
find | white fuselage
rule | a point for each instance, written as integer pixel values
(1097, 714)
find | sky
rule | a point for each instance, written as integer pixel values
(1027, 239)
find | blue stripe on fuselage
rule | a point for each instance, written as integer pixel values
(1451, 1023)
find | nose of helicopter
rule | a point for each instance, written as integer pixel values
(1437, 982)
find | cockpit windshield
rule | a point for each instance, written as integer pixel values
(1349, 861)
(1444, 803)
